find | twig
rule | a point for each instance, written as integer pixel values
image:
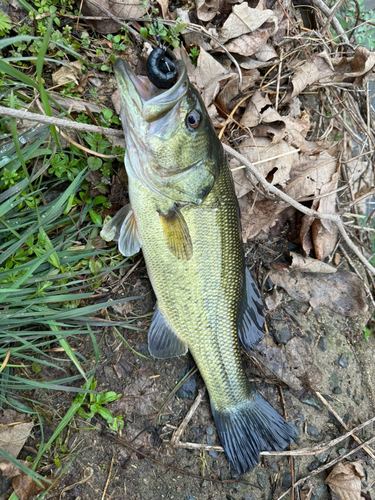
(108, 478)
(126, 276)
(332, 15)
(121, 442)
(325, 402)
(178, 433)
(327, 466)
(59, 122)
(307, 211)
(335, 23)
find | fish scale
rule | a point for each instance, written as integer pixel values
(201, 297)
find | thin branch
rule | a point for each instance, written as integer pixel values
(59, 122)
(307, 211)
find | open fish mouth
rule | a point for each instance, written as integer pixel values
(151, 102)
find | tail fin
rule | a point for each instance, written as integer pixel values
(248, 428)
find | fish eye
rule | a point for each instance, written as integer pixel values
(193, 119)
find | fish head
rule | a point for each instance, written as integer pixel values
(171, 145)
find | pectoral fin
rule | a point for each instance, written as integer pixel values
(251, 317)
(176, 233)
(163, 343)
(123, 229)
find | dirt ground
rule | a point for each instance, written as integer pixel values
(305, 351)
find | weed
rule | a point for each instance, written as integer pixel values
(95, 405)
(193, 54)
(169, 34)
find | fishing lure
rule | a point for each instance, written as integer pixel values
(160, 66)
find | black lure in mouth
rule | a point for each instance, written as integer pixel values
(161, 68)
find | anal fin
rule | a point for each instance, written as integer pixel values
(176, 233)
(251, 317)
(163, 343)
(123, 229)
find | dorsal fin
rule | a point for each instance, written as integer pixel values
(123, 229)
(176, 233)
(163, 343)
(251, 317)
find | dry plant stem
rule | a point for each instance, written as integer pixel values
(59, 122)
(332, 15)
(325, 402)
(307, 211)
(178, 433)
(319, 4)
(327, 466)
(108, 478)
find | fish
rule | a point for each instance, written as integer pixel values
(184, 214)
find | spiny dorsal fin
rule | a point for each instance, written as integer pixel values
(177, 233)
(123, 228)
(163, 343)
(251, 317)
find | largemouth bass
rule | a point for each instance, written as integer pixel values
(184, 214)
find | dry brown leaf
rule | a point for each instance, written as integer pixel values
(65, 75)
(342, 292)
(309, 265)
(345, 480)
(284, 158)
(310, 174)
(207, 9)
(247, 45)
(265, 53)
(230, 94)
(258, 218)
(24, 486)
(325, 232)
(274, 299)
(164, 4)
(243, 20)
(13, 437)
(121, 8)
(313, 70)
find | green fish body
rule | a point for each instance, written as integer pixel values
(184, 214)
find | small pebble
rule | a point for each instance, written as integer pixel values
(348, 391)
(193, 430)
(314, 465)
(249, 496)
(189, 388)
(322, 456)
(341, 451)
(323, 344)
(210, 431)
(213, 454)
(337, 390)
(311, 402)
(295, 427)
(287, 481)
(275, 467)
(262, 478)
(283, 336)
(343, 361)
(312, 430)
(321, 490)
(144, 349)
(210, 441)
(189, 497)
